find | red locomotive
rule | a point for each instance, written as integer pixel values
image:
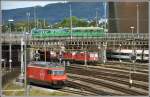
(70, 56)
(47, 73)
(81, 56)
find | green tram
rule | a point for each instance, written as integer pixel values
(66, 32)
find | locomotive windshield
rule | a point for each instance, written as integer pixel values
(58, 72)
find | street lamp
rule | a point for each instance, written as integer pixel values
(35, 21)
(99, 48)
(28, 18)
(120, 52)
(133, 48)
(104, 56)
(132, 59)
(25, 64)
(22, 56)
(71, 21)
(132, 30)
(10, 45)
(96, 17)
(0, 62)
(137, 19)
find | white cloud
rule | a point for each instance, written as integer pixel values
(22, 4)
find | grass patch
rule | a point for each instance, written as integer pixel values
(33, 92)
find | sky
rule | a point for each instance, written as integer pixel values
(5, 5)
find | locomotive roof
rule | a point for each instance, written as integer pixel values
(45, 64)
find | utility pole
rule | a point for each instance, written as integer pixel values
(133, 48)
(44, 23)
(10, 45)
(71, 21)
(137, 19)
(35, 25)
(120, 52)
(85, 59)
(96, 18)
(28, 19)
(130, 73)
(22, 55)
(0, 61)
(99, 51)
(105, 15)
(45, 51)
(25, 67)
(104, 55)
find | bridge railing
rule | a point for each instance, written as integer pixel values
(127, 35)
(17, 37)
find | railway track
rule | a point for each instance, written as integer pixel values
(121, 78)
(70, 90)
(127, 64)
(77, 91)
(137, 69)
(120, 66)
(87, 87)
(111, 85)
(108, 72)
(136, 84)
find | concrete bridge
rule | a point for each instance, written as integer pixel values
(126, 40)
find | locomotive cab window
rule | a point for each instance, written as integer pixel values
(58, 72)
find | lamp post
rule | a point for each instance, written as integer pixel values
(133, 48)
(10, 45)
(35, 22)
(0, 62)
(22, 56)
(25, 65)
(28, 18)
(85, 58)
(105, 15)
(99, 48)
(137, 19)
(96, 18)
(120, 52)
(132, 59)
(71, 21)
(104, 55)
(45, 51)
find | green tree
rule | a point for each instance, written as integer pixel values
(75, 23)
